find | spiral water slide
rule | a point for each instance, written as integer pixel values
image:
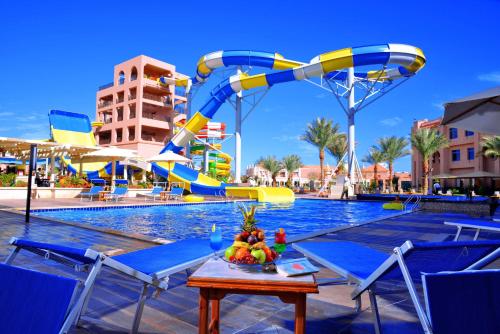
(399, 61)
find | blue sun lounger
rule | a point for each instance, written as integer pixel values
(152, 266)
(93, 192)
(379, 273)
(155, 192)
(117, 194)
(463, 302)
(176, 193)
(476, 224)
(33, 302)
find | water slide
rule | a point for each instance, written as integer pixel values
(72, 128)
(399, 61)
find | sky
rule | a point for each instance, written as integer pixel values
(55, 54)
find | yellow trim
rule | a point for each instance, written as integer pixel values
(196, 123)
(203, 68)
(336, 60)
(417, 65)
(73, 137)
(194, 198)
(248, 82)
(285, 64)
(181, 82)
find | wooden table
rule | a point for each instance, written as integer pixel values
(216, 279)
(102, 195)
(164, 195)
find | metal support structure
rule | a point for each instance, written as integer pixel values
(351, 111)
(206, 159)
(32, 168)
(343, 85)
(237, 135)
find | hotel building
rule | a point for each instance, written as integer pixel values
(461, 157)
(135, 111)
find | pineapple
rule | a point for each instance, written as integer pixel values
(248, 218)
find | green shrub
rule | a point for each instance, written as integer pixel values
(7, 180)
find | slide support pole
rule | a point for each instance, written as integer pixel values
(237, 136)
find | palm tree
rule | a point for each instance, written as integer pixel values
(491, 146)
(374, 156)
(393, 148)
(272, 165)
(320, 133)
(291, 163)
(427, 142)
(337, 148)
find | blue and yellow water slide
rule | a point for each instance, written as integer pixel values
(399, 61)
(72, 128)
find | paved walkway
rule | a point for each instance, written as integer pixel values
(176, 311)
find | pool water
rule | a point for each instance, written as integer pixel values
(191, 221)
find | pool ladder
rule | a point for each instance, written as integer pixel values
(409, 206)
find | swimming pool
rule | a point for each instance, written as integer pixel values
(188, 221)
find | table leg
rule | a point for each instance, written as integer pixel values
(300, 314)
(214, 323)
(203, 316)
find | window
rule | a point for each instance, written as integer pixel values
(121, 78)
(469, 133)
(455, 155)
(453, 133)
(133, 74)
(470, 153)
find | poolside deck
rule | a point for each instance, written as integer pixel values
(176, 311)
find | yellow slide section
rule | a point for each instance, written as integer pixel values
(262, 194)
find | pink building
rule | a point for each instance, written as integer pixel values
(462, 156)
(135, 111)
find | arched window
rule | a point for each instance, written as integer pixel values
(121, 78)
(133, 74)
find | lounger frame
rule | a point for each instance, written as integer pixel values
(461, 225)
(158, 280)
(396, 258)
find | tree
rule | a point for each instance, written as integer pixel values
(291, 163)
(320, 133)
(427, 142)
(272, 165)
(337, 148)
(393, 148)
(375, 157)
(491, 146)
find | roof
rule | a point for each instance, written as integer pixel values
(371, 169)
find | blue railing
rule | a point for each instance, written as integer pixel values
(105, 86)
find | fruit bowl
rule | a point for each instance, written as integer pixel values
(253, 267)
(249, 249)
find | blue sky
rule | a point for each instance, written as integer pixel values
(55, 55)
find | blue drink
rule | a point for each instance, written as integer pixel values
(215, 239)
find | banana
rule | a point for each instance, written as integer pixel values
(241, 244)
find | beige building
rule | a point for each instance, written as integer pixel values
(462, 157)
(136, 111)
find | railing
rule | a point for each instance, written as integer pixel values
(105, 86)
(153, 97)
(132, 115)
(120, 100)
(132, 97)
(155, 116)
(408, 206)
(104, 104)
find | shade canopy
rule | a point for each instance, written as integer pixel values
(168, 156)
(479, 112)
(109, 153)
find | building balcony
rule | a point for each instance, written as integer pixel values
(120, 100)
(104, 104)
(154, 84)
(163, 101)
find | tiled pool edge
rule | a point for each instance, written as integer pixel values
(131, 206)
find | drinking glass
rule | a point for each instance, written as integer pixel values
(215, 239)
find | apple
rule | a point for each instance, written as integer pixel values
(259, 255)
(241, 253)
(230, 252)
